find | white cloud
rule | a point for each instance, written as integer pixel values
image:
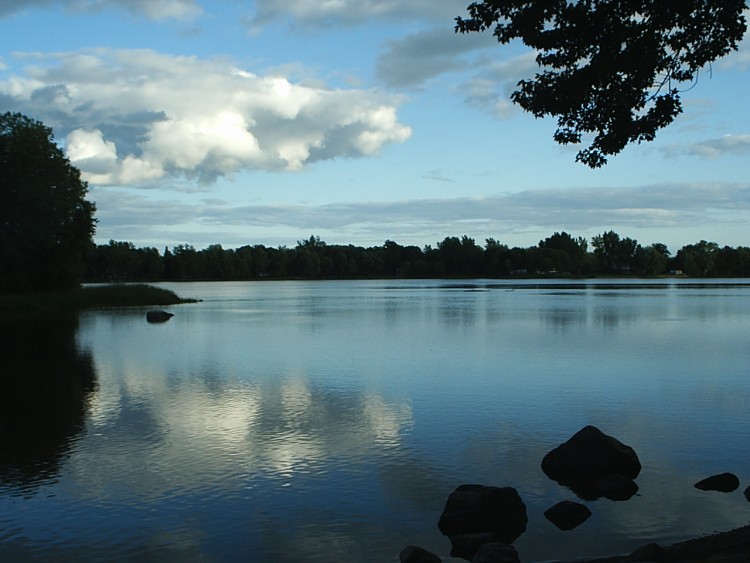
(136, 116)
(352, 12)
(152, 9)
(91, 152)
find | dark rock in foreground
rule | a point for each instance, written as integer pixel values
(496, 553)
(158, 316)
(478, 514)
(724, 483)
(567, 514)
(415, 554)
(590, 453)
(587, 457)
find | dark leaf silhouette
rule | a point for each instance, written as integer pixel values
(611, 68)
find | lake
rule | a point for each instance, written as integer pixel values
(330, 420)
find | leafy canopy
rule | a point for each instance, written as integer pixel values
(612, 68)
(46, 224)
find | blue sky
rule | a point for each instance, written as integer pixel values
(227, 122)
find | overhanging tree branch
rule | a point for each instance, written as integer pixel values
(610, 68)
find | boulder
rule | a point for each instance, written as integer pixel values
(724, 483)
(415, 554)
(158, 316)
(747, 494)
(478, 514)
(649, 552)
(616, 487)
(567, 514)
(496, 553)
(588, 456)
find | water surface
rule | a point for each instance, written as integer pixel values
(320, 421)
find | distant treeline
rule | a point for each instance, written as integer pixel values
(559, 255)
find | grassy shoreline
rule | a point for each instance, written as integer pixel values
(90, 297)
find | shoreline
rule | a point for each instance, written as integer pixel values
(732, 546)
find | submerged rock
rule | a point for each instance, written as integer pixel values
(586, 458)
(479, 514)
(158, 316)
(724, 483)
(466, 546)
(415, 554)
(747, 494)
(616, 487)
(567, 514)
(496, 553)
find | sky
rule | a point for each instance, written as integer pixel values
(359, 121)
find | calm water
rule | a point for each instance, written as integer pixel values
(329, 421)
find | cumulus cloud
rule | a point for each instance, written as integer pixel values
(130, 117)
(152, 9)
(351, 12)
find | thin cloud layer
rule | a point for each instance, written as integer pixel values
(412, 60)
(133, 117)
(152, 9)
(490, 89)
(737, 145)
(353, 12)
(664, 206)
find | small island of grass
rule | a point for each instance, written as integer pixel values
(91, 297)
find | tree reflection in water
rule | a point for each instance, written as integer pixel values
(46, 383)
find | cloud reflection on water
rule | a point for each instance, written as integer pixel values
(204, 435)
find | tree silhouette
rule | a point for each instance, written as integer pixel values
(610, 67)
(46, 224)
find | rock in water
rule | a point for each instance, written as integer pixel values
(478, 514)
(724, 483)
(588, 456)
(567, 514)
(158, 316)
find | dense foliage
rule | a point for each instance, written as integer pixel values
(612, 68)
(558, 255)
(46, 224)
